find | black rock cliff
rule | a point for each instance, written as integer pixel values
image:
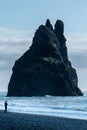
(45, 69)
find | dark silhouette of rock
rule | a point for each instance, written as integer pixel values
(59, 30)
(48, 24)
(45, 69)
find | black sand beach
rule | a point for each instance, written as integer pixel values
(18, 121)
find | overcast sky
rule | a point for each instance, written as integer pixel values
(19, 20)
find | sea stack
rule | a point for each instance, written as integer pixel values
(44, 69)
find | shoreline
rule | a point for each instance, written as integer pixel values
(23, 121)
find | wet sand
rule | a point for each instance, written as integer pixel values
(20, 121)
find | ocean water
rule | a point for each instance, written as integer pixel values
(72, 107)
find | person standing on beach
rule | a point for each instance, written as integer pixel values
(5, 106)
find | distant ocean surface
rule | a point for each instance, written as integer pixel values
(73, 107)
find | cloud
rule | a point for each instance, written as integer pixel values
(82, 79)
(11, 33)
(13, 43)
(78, 60)
(4, 79)
(77, 48)
(77, 42)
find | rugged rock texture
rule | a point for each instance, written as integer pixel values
(45, 69)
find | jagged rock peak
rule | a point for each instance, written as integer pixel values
(59, 27)
(48, 24)
(45, 41)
